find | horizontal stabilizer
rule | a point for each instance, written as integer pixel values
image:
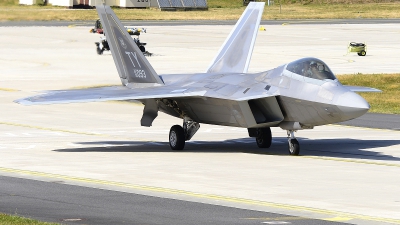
(361, 89)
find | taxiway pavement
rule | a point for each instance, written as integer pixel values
(346, 174)
(71, 204)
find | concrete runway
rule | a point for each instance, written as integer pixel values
(344, 174)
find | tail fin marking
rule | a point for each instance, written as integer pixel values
(132, 65)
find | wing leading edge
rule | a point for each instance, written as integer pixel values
(235, 54)
(108, 94)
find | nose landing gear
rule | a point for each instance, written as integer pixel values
(294, 146)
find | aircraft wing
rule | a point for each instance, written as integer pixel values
(361, 89)
(235, 54)
(108, 94)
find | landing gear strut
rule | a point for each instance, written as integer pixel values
(178, 135)
(294, 147)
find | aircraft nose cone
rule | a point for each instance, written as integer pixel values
(352, 105)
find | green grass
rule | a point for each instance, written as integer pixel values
(225, 3)
(388, 101)
(17, 220)
(10, 10)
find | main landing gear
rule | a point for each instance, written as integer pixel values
(294, 147)
(264, 137)
(178, 135)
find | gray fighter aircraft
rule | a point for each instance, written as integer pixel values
(295, 96)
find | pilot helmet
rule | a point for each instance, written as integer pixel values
(313, 64)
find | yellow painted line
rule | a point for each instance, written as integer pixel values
(8, 89)
(204, 196)
(96, 86)
(50, 129)
(353, 161)
(293, 218)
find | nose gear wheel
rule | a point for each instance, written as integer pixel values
(294, 146)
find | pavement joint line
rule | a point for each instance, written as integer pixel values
(50, 129)
(337, 214)
(352, 161)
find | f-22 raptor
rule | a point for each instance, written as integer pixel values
(295, 96)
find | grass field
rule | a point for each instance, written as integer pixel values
(388, 100)
(218, 10)
(16, 220)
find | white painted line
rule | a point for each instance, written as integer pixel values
(276, 222)
(29, 147)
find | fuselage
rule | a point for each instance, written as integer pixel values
(279, 97)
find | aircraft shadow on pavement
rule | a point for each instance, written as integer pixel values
(341, 148)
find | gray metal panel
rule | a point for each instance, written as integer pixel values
(201, 3)
(188, 3)
(176, 3)
(164, 3)
(234, 55)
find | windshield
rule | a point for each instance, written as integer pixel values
(312, 68)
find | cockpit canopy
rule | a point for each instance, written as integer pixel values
(312, 68)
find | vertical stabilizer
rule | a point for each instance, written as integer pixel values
(132, 65)
(235, 54)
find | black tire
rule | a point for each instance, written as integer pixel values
(176, 138)
(264, 138)
(99, 51)
(362, 53)
(294, 147)
(142, 48)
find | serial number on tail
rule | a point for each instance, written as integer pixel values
(140, 73)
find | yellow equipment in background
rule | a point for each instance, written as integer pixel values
(360, 48)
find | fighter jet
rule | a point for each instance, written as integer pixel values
(295, 96)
